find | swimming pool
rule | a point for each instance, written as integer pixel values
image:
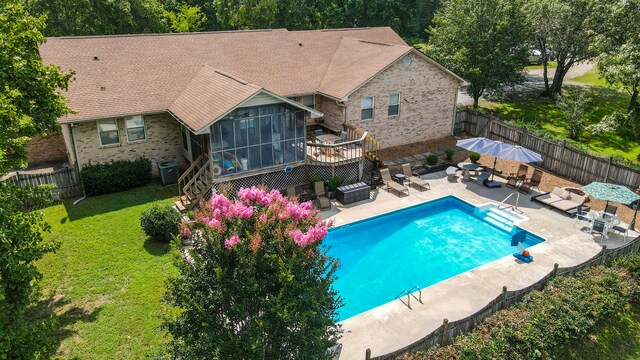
(416, 246)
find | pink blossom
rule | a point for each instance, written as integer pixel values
(298, 211)
(186, 232)
(232, 241)
(314, 234)
(263, 218)
(219, 201)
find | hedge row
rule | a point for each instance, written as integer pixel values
(548, 320)
(115, 176)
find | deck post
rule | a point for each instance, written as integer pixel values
(555, 269)
(504, 297)
(604, 252)
(367, 354)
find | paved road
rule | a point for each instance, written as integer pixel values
(534, 79)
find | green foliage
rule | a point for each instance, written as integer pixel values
(115, 176)
(100, 17)
(561, 26)
(545, 321)
(255, 288)
(449, 153)
(160, 222)
(630, 263)
(21, 245)
(474, 156)
(573, 106)
(334, 183)
(432, 159)
(315, 179)
(482, 41)
(186, 19)
(29, 100)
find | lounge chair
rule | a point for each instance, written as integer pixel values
(451, 172)
(561, 199)
(414, 180)
(514, 178)
(527, 186)
(322, 201)
(623, 228)
(386, 177)
(582, 214)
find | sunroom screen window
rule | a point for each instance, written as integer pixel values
(257, 137)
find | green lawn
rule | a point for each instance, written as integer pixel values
(591, 78)
(617, 338)
(541, 114)
(550, 65)
(105, 282)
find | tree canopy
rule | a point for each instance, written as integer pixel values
(483, 41)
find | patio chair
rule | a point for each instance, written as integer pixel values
(451, 172)
(582, 214)
(599, 226)
(610, 209)
(386, 178)
(527, 186)
(322, 201)
(514, 178)
(414, 180)
(623, 228)
(343, 136)
(483, 176)
(317, 132)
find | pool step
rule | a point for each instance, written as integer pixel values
(499, 220)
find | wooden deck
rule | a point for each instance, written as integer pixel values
(334, 155)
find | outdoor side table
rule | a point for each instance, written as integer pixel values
(348, 194)
(400, 178)
(466, 166)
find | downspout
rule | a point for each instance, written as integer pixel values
(455, 111)
(77, 164)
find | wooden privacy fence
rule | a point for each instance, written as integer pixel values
(446, 332)
(557, 157)
(67, 181)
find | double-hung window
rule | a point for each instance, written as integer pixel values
(108, 132)
(394, 105)
(135, 128)
(367, 108)
(309, 101)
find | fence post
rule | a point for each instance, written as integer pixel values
(367, 354)
(604, 251)
(555, 270)
(445, 332)
(504, 297)
(606, 174)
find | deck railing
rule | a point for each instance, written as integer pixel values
(337, 153)
(370, 146)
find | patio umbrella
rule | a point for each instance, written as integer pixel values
(498, 149)
(611, 192)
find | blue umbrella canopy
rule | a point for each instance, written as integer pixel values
(611, 192)
(478, 144)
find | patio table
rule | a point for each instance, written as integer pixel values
(466, 167)
(328, 138)
(608, 219)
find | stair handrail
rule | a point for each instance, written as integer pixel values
(513, 207)
(197, 175)
(401, 294)
(190, 168)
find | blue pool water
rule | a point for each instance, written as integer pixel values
(421, 246)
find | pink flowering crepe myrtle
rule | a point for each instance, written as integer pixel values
(255, 212)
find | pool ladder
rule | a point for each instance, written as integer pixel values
(513, 207)
(409, 295)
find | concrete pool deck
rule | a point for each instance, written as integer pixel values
(392, 326)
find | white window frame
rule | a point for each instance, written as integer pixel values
(111, 121)
(372, 108)
(144, 127)
(313, 97)
(390, 105)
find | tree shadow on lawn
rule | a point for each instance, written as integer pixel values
(102, 204)
(156, 248)
(59, 317)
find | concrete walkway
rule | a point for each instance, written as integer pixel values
(392, 326)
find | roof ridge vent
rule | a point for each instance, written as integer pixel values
(243, 82)
(375, 42)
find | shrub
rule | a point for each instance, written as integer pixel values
(474, 157)
(315, 179)
(545, 321)
(115, 176)
(160, 222)
(334, 183)
(449, 152)
(631, 263)
(432, 159)
(257, 283)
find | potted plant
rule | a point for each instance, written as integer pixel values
(432, 159)
(449, 153)
(474, 157)
(333, 183)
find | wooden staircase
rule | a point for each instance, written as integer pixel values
(194, 183)
(370, 147)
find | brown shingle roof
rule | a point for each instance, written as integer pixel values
(137, 74)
